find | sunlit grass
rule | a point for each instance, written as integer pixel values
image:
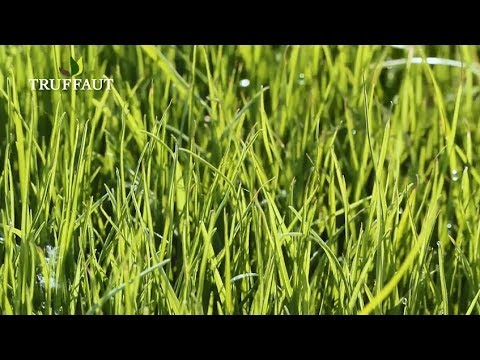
(336, 180)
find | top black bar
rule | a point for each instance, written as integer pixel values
(331, 22)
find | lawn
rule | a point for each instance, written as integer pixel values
(240, 180)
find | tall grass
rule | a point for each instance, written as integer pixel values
(336, 180)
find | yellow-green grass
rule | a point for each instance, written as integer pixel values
(336, 180)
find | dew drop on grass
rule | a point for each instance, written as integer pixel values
(404, 301)
(454, 175)
(354, 132)
(449, 226)
(244, 83)
(301, 79)
(52, 253)
(42, 282)
(400, 211)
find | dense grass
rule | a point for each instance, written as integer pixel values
(341, 180)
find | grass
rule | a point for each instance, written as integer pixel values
(337, 180)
